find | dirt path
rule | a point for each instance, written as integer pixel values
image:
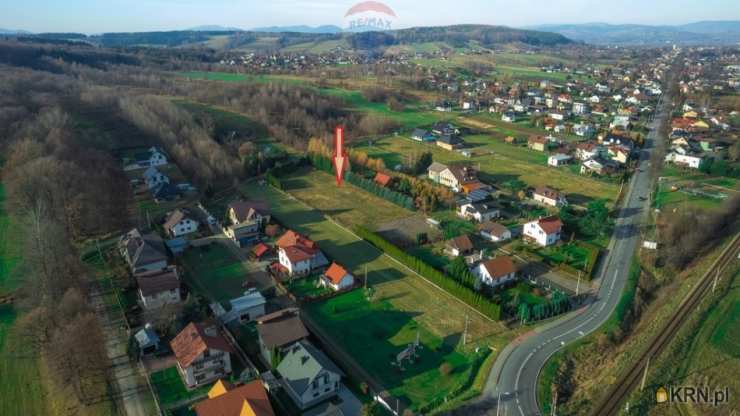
(131, 392)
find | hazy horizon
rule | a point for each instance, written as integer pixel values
(86, 16)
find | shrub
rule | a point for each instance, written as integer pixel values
(445, 369)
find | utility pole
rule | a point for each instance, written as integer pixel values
(554, 406)
(578, 284)
(716, 278)
(498, 403)
(644, 375)
(465, 332)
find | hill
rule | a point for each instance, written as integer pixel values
(692, 33)
(299, 29)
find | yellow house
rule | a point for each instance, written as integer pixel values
(690, 114)
(700, 124)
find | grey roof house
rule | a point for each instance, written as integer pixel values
(308, 375)
(143, 252)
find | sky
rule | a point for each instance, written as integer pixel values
(88, 16)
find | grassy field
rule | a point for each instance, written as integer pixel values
(500, 162)
(20, 380)
(214, 272)
(233, 77)
(347, 204)
(403, 304)
(376, 331)
(170, 389)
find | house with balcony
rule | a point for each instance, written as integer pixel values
(202, 354)
(308, 375)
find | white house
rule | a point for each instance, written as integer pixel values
(159, 288)
(453, 177)
(298, 255)
(559, 159)
(494, 232)
(496, 272)
(548, 196)
(153, 178)
(243, 309)
(508, 117)
(178, 223)
(480, 212)
(545, 231)
(337, 278)
(689, 160)
(153, 156)
(202, 354)
(620, 121)
(308, 376)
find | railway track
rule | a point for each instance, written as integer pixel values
(625, 385)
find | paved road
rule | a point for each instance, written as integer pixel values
(515, 374)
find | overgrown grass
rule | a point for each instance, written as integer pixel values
(170, 389)
(215, 272)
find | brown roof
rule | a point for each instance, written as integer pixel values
(174, 218)
(537, 139)
(550, 225)
(151, 283)
(547, 192)
(232, 402)
(246, 210)
(382, 179)
(461, 243)
(500, 266)
(493, 228)
(296, 247)
(193, 341)
(335, 273)
(281, 328)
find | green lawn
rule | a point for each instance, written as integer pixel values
(404, 305)
(571, 254)
(170, 389)
(347, 204)
(307, 287)
(499, 162)
(376, 332)
(232, 77)
(20, 380)
(215, 272)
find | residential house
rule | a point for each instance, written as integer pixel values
(544, 231)
(421, 135)
(143, 252)
(308, 375)
(278, 331)
(451, 176)
(580, 108)
(559, 159)
(298, 255)
(179, 223)
(147, 340)
(159, 287)
(496, 272)
(479, 211)
(685, 158)
(459, 246)
(509, 117)
(442, 128)
(153, 178)
(619, 154)
(588, 150)
(202, 354)
(450, 141)
(538, 143)
(244, 309)
(622, 122)
(153, 156)
(337, 278)
(494, 232)
(165, 192)
(225, 399)
(583, 130)
(549, 196)
(382, 179)
(247, 220)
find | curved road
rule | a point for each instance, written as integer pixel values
(514, 376)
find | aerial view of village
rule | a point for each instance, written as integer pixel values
(388, 208)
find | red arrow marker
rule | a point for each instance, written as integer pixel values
(339, 156)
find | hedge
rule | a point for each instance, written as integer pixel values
(385, 193)
(472, 298)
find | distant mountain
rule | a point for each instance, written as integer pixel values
(628, 34)
(299, 29)
(13, 32)
(214, 28)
